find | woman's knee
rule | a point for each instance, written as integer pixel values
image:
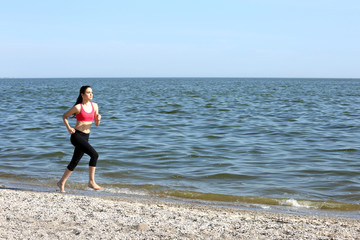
(93, 159)
(95, 155)
(72, 166)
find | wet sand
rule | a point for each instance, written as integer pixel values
(46, 215)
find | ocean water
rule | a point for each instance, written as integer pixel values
(256, 142)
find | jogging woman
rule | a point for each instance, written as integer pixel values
(85, 111)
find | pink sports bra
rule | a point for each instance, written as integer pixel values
(85, 116)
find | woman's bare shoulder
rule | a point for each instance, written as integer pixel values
(77, 106)
(95, 105)
(73, 110)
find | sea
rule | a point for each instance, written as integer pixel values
(269, 143)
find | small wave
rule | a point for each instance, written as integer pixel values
(293, 203)
(131, 189)
(320, 205)
(127, 191)
(209, 106)
(214, 137)
(32, 129)
(53, 154)
(175, 105)
(229, 176)
(339, 150)
(298, 101)
(172, 112)
(330, 173)
(346, 150)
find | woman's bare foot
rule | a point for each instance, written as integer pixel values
(95, 186)
(61, 186)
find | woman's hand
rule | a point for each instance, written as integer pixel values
(71, 130)
(98, 117)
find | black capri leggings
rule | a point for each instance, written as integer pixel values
(81, 142)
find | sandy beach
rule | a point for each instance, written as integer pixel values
(46, 215)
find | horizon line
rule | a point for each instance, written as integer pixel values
(174, 77)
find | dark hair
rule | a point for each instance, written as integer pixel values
(80, 99)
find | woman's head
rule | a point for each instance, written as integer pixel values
(85, 93)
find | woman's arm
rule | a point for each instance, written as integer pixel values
(74, 110)
(97, 115)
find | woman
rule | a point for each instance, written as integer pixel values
(85, 112)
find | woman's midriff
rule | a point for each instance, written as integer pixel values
(83, 126)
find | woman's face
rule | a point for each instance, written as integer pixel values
(88, 95)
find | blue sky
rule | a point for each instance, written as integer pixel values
(158, 38)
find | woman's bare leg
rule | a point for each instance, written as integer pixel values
(61, 183)
(92, 184)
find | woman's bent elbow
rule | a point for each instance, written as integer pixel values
(64, 117)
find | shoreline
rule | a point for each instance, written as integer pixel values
(287, 205)
(54, 215)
